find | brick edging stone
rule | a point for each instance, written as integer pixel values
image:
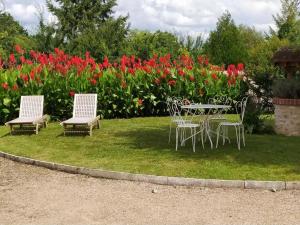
(286, 101)
(161, 180)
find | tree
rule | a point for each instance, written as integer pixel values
(286, 21)
(145, 44)
(224, 45)
(192, 45)
(81, 24)
(12, 33)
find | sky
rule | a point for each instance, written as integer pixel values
(187, 17)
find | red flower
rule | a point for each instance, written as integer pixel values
(33, 54)
(181, 72)
(214, 76)
(106, 63)
(24, 77)
(166, 72)
(172, 82)
(22, 59)
(131, 71)
(12, 59)
(19, 49)
(192, 78)
(157, 81)
(87, 55)
(32, 74)
(15, 87)
(206, 62)
(93, 82)
(124, 84)
(72, 93)
(206, 82)
(4, 86)
(200, 59)
(240, 67)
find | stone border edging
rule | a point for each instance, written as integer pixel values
(161, 180)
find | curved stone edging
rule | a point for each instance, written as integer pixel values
(161, 180)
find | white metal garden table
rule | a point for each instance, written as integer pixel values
(208, 109)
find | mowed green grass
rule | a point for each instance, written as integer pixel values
(140, 145)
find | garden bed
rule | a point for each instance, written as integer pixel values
(141, 146)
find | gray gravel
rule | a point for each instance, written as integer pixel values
(32, 195)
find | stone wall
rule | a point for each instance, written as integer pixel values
(287, 119)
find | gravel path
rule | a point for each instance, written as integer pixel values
(32, 195)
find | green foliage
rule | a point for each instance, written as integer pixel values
(287, 88)
(192, 46)
(145, 44)
(261, 70)
(286, 22)
(255, 118)
(225, 45)
(131, 88)
(12, 33)
(87, 25)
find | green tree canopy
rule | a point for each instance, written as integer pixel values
(286, 22)
(88, 25)
(12, 33)
(145, 44)
(224, 45)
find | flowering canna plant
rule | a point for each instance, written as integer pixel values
(126, 88)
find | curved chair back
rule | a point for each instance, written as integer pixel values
(241, 108)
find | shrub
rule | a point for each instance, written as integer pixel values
(126, 88)
(287, 88)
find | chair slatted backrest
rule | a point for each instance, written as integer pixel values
(85, 106)
(31, 106)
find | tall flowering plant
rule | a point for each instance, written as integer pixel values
(126, 88)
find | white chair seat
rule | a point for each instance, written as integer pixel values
(79, 121)
(185, 121)
(26, 120)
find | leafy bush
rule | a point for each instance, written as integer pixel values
(127, 88)
(287, 88)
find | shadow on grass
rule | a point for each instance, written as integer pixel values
(263, 150)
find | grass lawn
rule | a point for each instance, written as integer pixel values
(140, 145)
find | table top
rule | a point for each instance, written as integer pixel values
(205, 106)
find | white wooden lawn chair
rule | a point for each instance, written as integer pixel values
(84, 115)
(30, 115)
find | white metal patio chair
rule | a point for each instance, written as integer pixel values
(182, 125)
(239, 127)
(178, 101)
(84, 115)
(30, 115)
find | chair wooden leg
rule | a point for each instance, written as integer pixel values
(36, 129)
(91, 130)
(98, 124)
(11, 129)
